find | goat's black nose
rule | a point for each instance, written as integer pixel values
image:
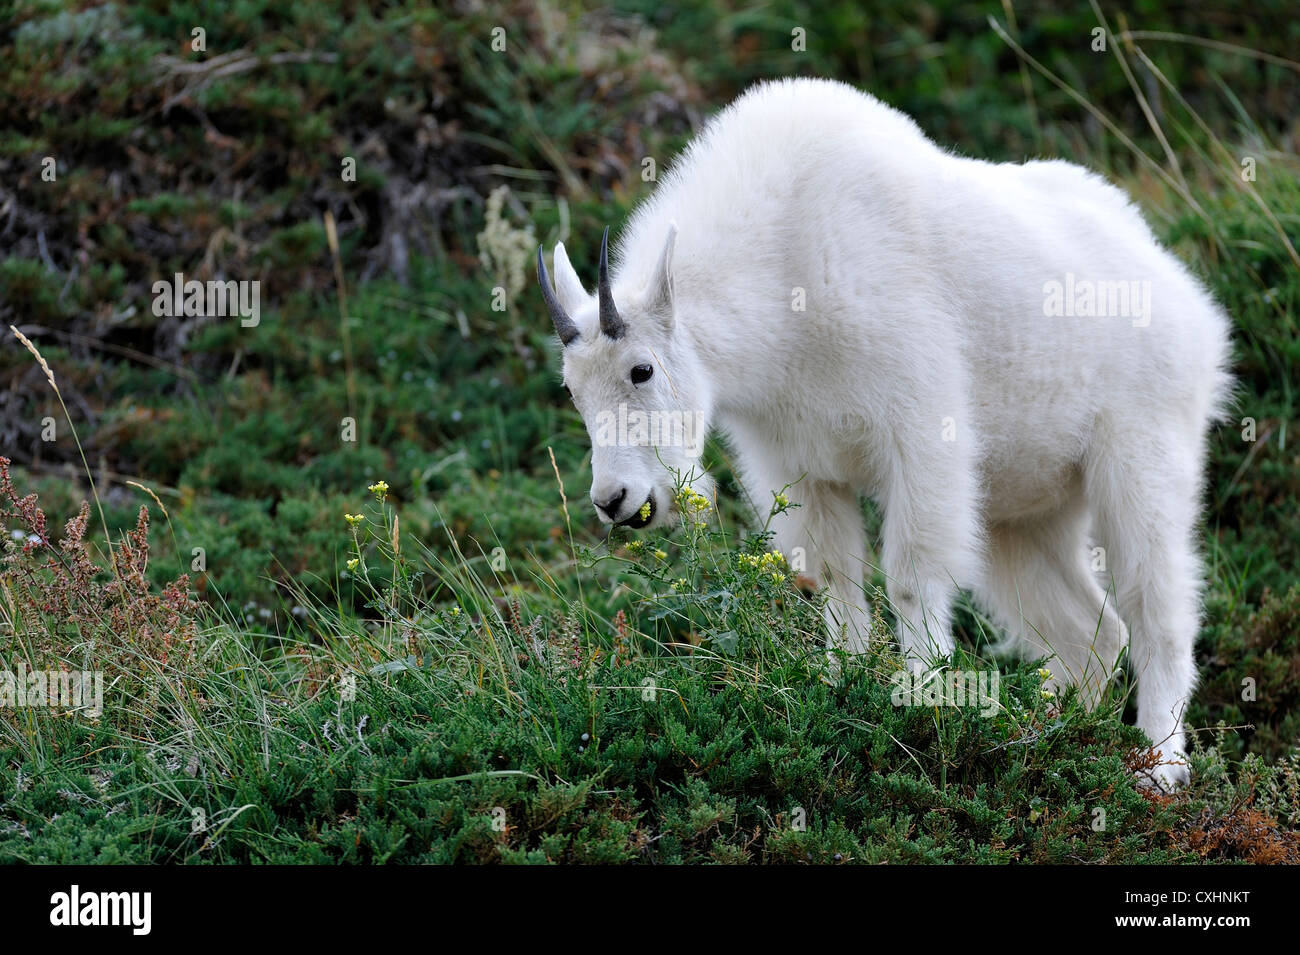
(611, 506)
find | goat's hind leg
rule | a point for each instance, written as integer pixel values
(1145, 493)
(1039, 587)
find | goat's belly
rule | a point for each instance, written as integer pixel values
(1029, 486)
(1034, 430)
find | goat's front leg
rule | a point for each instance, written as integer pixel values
(929, 543)
(824, 539)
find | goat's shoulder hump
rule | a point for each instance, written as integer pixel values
(808, 102)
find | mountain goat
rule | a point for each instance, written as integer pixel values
(1001, 355)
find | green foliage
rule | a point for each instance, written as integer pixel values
(543, 728)
(941, 64)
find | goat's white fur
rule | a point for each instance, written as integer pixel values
(1002, 444)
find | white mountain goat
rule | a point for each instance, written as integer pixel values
(1001, 355)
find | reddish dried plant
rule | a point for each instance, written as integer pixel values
(64, 606)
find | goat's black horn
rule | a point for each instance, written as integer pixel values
(564, 326)
(610, 323)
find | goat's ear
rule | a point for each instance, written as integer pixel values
(568, 287)
(660, 301)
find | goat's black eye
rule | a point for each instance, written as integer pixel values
(641, 373)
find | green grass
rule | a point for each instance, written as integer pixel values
(553, 729)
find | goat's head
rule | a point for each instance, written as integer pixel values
(637, 382)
